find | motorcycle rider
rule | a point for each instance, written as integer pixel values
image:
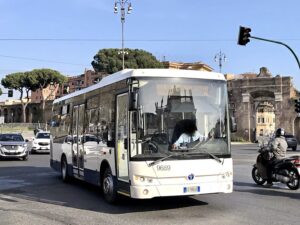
(278, 148)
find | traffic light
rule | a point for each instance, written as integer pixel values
(10, 93)
(297, 105)
(244, 35)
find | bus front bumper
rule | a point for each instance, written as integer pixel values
(151, 191)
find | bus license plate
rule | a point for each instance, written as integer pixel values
(191, 189)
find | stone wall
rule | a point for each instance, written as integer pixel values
(246, 94)
(13, 113)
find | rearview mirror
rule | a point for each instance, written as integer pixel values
(133, 97)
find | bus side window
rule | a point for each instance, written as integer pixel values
(106, 125)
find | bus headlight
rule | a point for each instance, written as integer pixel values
(143, 179)
(139, 178)
(149, 180)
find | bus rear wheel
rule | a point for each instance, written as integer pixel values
(109, 186)
(64, 170)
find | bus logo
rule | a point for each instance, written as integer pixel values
(191, 177)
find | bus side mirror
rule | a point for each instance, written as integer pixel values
(133, 97)
(233, 126)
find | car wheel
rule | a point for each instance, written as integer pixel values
(25, 158)
(294, 148)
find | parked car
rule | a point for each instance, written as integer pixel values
(41, 142)
(291, 141)
(13, 146)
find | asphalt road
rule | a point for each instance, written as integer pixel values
(31, 193)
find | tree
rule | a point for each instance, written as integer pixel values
(22, 82)
(110, 61)
(45, 78)
(1, 92)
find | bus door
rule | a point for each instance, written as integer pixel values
(77, 144)
(122, 137)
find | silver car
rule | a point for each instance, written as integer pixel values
(13, 146)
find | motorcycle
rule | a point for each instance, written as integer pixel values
(286, 170)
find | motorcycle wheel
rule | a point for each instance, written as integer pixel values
(294, 179)
(256, 177)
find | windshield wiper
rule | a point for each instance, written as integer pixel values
(214, 157)
(202, 151)
(161, 159)
(186, 152)
(210, 154)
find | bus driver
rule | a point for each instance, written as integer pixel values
(188, 132)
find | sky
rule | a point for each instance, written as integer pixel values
(180, 31)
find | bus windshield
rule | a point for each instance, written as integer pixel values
(179, 114)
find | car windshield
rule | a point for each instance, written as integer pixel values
(43, 136)
(89, 138)
(177, 114)
(11, 137)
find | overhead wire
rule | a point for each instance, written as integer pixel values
(41, 60)
(130, 40)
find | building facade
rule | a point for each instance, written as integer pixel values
(74, 83)
(188, 66)
(262, 103)
(11, 110)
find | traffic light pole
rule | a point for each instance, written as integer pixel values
(280, 43)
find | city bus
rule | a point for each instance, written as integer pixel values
(119, 134)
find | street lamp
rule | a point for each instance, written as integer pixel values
(220, 57)
(123, 4)
(51, 88)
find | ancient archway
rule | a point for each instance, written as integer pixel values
(263, 113)
(265, 119)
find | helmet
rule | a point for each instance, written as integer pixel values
(280, 132)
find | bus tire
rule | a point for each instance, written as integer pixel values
(109, 186)
(64, 170)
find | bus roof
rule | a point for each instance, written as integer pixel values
(126, 73)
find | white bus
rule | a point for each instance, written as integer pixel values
(119, 134)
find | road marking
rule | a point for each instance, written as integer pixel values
(8, 183)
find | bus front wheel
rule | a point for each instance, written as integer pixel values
(109, 186)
